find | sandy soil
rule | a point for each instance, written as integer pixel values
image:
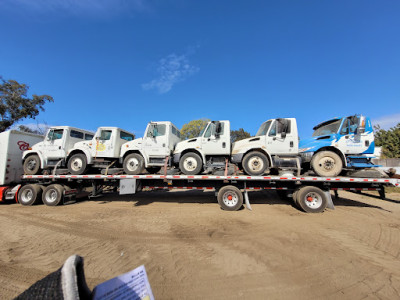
(194, 250)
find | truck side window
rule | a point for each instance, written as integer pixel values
(126, 136)
(176, 132)
(105, 135)
(210, 130)
(55, 134)
(76, 134)
(157, 130)
(349, 125)
(88, 136)
(222, 128)
(283, 126)
(272, 131)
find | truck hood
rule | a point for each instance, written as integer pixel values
(317, 142)
(187, 144)
(239, 146)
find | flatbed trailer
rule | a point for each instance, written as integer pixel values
(309, 193)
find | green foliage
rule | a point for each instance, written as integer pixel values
(41, 130)
(237, 135)
(193, 128)
(15, 105)
(389, 140)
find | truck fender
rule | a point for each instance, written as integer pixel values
(134, 150)
(247, 150)
(89, 158)
(38, 153)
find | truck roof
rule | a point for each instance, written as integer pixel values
(70, 127)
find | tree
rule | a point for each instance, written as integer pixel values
(193, 128)
(37, 129)
(237, 135)
(389, 140)
(15, 105)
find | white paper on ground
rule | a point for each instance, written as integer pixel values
(131, 285)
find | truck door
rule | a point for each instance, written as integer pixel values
(105, 143)
(351, 139)
(54, 144)
(280, 139)
(216, 139)
(155, 140)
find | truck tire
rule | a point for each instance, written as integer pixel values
(255, 163)
(77, 164)
(30, 194)
(53, 194)
(190, 164)
(230, 198)
(153, 170)
(32, 165)
(133, 164)
(326, 164)
(311, 199)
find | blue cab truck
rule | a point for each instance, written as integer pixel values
(338, 144)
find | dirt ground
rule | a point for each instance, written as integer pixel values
(194, 250)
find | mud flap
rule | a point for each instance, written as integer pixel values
(246, 200)
(329, 199)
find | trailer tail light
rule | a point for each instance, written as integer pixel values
(29, 148)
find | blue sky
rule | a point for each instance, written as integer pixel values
(123, 63)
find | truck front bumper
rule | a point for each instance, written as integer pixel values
(177, 157)
(306, 156)
(237, 158)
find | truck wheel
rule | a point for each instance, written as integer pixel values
(326, 164)
(133, 164)
(255, 163)
(30, 194)
(311, 199)
(153, 170)
(190, 164)
(32, 165)
(53, 194)
(230, 198)
(77, 164)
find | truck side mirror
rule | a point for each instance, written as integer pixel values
(361, 125)
(218, 129)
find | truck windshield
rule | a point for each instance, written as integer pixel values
(264, 128)
(327, 129)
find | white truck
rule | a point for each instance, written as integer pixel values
(208, 151)
(53, 149)
(151, 151)
(102, 151)
(274, 146)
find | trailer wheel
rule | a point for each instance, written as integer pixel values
(311, 199)
(255, 163)
(133, 164)
(32, 165)
(153, 170)
(30, 194)
(77, 164)
(230, 198)
(53, 194)
(190, 164)
(326, 164)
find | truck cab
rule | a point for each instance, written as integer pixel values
(346, 142)
(53, 149)
(207, 151)
(274, 146)
(152, 150)
(100, 152)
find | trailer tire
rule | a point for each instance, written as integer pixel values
(32, 165)
(230, 198)
(53, 194)
(30, 194)
(133, 164)
(153, 170)
(311, 199)
(327, 164)
(190, 164)
(77, 164)
(255, 163)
